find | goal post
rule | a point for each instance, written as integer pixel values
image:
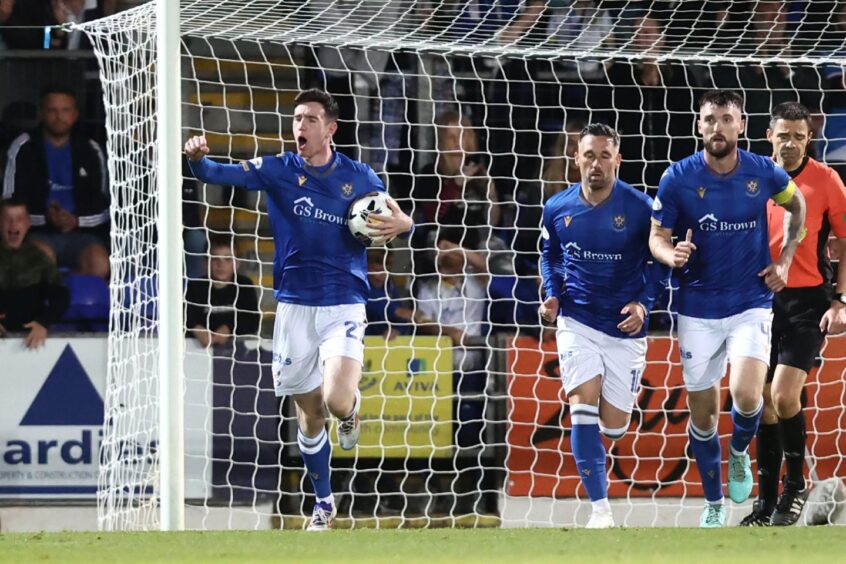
(171, 327)
(468, 111)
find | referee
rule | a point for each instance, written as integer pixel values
(802, 314)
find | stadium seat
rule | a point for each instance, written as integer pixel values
(89, 304)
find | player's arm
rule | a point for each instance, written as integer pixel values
(552, 266)
(662, 248)
(791, 199)
(834, 319)
(389, 226)
(244, 174)
(664, 217)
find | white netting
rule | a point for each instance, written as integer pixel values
(467, 110)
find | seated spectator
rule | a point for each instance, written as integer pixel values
(225, 304)
(559, 170)
(457, 198)
(61, 175)
(32, 295)
(650, 103)
(454, 303)
(387, 315)
(834, 102)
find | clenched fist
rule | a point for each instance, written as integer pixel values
(196, 148)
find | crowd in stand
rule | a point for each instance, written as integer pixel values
(502, 148)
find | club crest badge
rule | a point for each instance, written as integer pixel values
(619, 222)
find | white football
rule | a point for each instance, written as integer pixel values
(360, 221)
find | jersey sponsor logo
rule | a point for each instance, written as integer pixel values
(304, 207)
(752, 189)
(701, 192)
(656, 203)
(619, 222)
(301, 179)
(567, 220)
(710, 223)
(576, 252)
(347, 189)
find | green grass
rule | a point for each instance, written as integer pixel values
(678, 546)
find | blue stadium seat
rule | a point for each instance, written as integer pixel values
(89, 304)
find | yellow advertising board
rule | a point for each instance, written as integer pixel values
(406, 408)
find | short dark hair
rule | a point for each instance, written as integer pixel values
(219, 240)
(57, 89)
(330, 106)
(722, 98)
(790, 111)
(13, 202)
(600, 130)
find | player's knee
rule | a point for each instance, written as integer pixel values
(785, 405)
(769, 416)
(311, 424)
(339, 402)
(704, 420)
(748, 402)
(613, 433)
(94, 261)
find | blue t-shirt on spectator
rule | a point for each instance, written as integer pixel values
(60, 173)
(382, 308)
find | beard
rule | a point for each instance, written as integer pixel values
(724, 152)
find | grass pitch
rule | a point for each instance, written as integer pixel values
(677, 546)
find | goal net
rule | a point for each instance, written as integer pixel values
(469, 112)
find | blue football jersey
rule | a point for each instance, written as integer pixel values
(596, 259)
(317, 261)
(728, 216)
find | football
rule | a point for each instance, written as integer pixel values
(360, 221)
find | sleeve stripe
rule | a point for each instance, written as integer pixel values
(785, 195)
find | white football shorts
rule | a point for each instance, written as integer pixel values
(584, 353)
(707, 345)
(305, 336)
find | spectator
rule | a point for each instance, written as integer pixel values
(61, 175)
(579, 26)
(454, 303)
(32, 295)
(387, 315)
(766, 84)
(26, 20)
(225, 304)
(559, 170)
(834, 106)
(24, 23)
(457, 198)
(651, 103)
